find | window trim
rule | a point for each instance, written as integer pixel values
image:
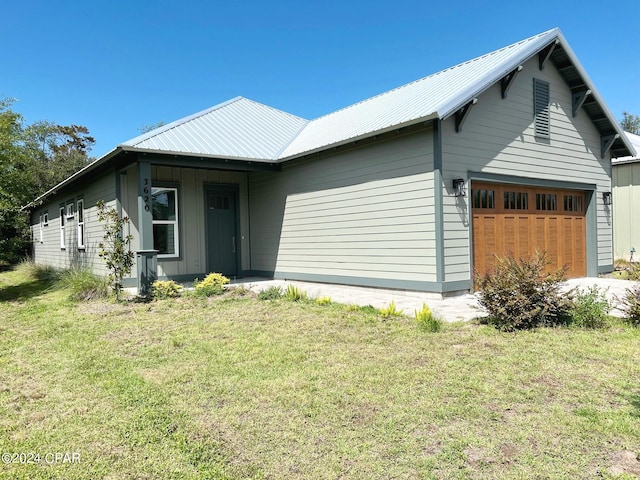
(41, 229)
(70, 213)
(63, 241)
(80, 224)
(45, 219)
(175, 223)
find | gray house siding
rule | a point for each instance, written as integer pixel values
(49, 251)
(190, 182)
(364, 216)
(497, 142)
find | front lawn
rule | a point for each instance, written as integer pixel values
(246, 388)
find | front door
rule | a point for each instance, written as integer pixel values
(221, 231)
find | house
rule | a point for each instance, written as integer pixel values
(626, 203)
(415, 188)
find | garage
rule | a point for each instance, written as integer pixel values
(516, 220)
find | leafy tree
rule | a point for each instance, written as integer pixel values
(630, 123)
(33, 159)
(150, 127)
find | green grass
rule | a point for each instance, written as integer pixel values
(202, 388)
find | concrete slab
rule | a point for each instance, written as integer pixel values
(461, 308)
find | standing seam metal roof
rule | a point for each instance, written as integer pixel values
(247, 130)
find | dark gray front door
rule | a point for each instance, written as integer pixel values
(221, 232)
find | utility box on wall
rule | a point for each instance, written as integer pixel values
(147, 261)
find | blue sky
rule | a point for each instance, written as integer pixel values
(119, 65)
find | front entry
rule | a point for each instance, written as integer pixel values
(222, 245)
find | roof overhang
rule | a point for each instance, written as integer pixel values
(585, 96)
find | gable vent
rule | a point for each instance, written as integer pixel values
(541, 108)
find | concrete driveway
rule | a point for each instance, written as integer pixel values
(462, 308)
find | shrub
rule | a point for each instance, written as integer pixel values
(631, 305)
(294, 294)
(83, 284)
(166, 289)
(323, 300)
(213, 284)
(427, 321)
(518, 294)
(390, 311)
(272, 293)
(590, 308)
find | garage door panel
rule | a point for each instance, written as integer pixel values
(554, 223)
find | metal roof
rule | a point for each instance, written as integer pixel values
(440, 95)
(635, 142)
(237, 129)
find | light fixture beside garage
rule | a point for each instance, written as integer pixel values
(606, 198)
(458, 187)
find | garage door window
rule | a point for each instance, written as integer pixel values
(516, 201)
(573, 203)
(483, 199)
(546, 201)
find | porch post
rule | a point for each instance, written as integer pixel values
(146, 257)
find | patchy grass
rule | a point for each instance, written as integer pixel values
(232, 387)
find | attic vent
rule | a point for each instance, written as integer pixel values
(541, 108)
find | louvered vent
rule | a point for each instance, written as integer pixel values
(541, 108)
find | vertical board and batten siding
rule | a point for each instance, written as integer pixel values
(498, 138)
(626, 210)
(366, 215)
(191, 214)
(49, 252)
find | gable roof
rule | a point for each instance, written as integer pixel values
(245, 130)
(635, 142)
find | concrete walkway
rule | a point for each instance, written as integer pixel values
(462, 308)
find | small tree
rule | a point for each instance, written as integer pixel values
(115, 247)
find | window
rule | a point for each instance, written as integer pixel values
(70, 210)
(483, 199)
(573, 203)
(41, 228)
(63, 245)
(80, 212)
(165, 221)
(541, 108)
(546, 201)
(45, 219)
(516, 201)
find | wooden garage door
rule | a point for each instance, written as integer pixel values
(515, 220)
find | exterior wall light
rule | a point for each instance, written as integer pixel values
(606, 198)
(458, 187)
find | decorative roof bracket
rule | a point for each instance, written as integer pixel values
(461, 115)
(606, 142)
(577, 100)
(545, 54)
(507, 80)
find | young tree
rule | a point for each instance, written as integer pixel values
(630, 123)
(115, 248)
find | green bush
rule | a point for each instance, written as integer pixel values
(590, 308)
(83, 284)
(631, 305)
(294, 294)
(390, 311)
(272, 293)
(427, 321)
(518, 294)
(166, 289)
(213, 284)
